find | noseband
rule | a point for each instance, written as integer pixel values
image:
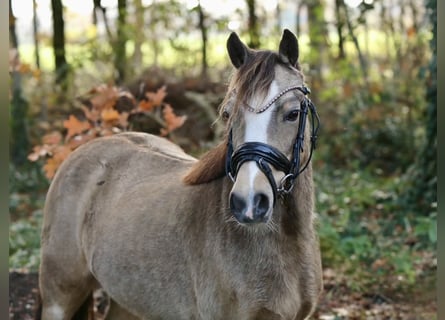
(266, 155)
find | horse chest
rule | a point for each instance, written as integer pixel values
(270, 290)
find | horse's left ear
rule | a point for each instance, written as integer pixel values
(289, 48)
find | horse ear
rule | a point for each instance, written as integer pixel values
(209, 167)
(289, 48)
(238, 52)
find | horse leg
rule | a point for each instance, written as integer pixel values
(65, 292)
(116, 312)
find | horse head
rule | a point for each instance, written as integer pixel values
(265, 110)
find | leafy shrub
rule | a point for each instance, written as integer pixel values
(365, 234)
(24, 242)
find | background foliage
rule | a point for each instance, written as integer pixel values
(161, 67)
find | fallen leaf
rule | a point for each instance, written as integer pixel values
(172, 121)
(40, 151)
(157, 97)
(109, 115)
(92, 115)
(50, 168)
(145, 105)
(105, 97)
(75, 126)
(54, 137)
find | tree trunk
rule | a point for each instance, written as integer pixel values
(298, 18)
(13, 42)
(318, 41)
(99, 8)
(340, 25)
(59, 43)
(139, 35)
(19, 141)
(203, 29)
(361, 58)
(253, 27)
(121, 41)
(35, 30)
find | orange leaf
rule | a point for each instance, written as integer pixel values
(61, 153)
(75, 126)
(52, 164)
(50, 167)
(54, 137)
(109, 115)
(105, 98)
(172, 121)
(79, 140)
(145, 105)
(157, 97)
(92, 115)
(39, 151)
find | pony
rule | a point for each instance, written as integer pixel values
(167, 236)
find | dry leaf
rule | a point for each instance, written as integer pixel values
(92, 115)
(172, 121)
(50, 167)
(81, 139)
(109, 115)
(145, 105)
(39, 151)
(54, 137)
(157, 97)
(75, 126)
(105, 97)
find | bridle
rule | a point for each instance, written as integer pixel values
(266, 155)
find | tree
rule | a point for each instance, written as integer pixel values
(340, 22)
(422, 176)
(19, 142)
(59, 43)
(120, 58)
(203, 29)
(35, 30)
(317, 35)
(138, 34)
(99, 8)
(253, 27)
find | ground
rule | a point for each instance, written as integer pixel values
(337, 303)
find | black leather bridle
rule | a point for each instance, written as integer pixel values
(266, 155)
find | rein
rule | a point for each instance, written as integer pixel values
(266, 155)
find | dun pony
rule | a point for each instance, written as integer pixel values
(167, 236)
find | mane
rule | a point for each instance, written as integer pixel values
(253, 77)
(210, 166)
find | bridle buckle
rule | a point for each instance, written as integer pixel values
(286, 184)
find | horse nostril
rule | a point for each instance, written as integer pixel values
(260, 206)
(237, 205)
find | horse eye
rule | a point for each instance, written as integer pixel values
(292, 116)
(225, 115)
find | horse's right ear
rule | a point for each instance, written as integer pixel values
(238, 52)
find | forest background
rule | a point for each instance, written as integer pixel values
(80, 70)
